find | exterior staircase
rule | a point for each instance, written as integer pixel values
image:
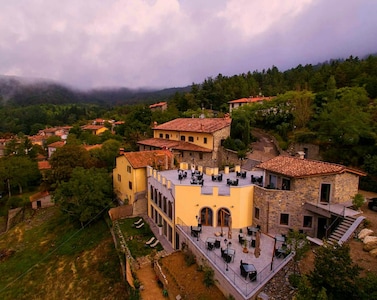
(345, 230)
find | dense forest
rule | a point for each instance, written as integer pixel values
(332, 104)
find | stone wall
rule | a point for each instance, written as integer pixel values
(218, 136)
(272, 203)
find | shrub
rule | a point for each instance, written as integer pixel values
(294, 280)
(357, 201)
(208, 276)
(189, 258)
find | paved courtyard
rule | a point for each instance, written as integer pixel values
(266, 264)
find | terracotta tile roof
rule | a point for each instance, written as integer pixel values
(91, 147)
(57, 144)
(208, 125)
(38, 195)
(250, 100)
(297, 167)
(157, 104)
(171, 144)
(92, 127)
(44, 165)
(142, 159)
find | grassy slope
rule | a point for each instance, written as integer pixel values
(53, 260)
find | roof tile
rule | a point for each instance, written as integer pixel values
(142, 159)
(208, 125)
(298, 167)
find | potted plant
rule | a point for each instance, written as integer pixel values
(245, 247)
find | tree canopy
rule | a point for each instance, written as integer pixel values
(86, 195)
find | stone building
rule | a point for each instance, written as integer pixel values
(192, 140)
(305, 195)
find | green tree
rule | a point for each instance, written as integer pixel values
(298, 243)
(86, 196)
(335, 271)
(107, 153)
(18, 171)
(65, 159)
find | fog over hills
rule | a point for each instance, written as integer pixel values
(29, 91)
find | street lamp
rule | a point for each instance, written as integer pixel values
(228, 244)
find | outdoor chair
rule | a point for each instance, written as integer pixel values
(222, 252)
(241, 239)
(138, 222)
(217, 244)
(210, 246)
(140, 225)
(150, 241)
(227, 258)
(154, 244)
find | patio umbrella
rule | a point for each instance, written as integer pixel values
(257, 245)
(230, 227)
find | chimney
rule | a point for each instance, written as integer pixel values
(301, 154)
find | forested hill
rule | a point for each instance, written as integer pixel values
(212, 93)
(23, 92)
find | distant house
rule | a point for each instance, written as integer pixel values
(55, 131)
(159, 106)
(234, 104)
(53, 146)
(192, 140)
(41, 200)
(95, 129)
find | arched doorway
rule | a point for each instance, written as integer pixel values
(223, 215)
(206, 216)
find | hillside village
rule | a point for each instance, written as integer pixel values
(191, 180)
(200, 195)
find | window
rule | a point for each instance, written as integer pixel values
(183, 138)
(170, 210)
(308, 221)
(284, 219)
(130, 185)
(325, 192)
(200, 155)
(129, 169)
(167, 136)
(205, 140)
(191, 139)
(161, 136)
(256, 213)
(286, 184)
(119, 177)
(165, 205)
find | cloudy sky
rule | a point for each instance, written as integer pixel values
(171, 43)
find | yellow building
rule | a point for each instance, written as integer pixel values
(176, 200)
(283, 194)
(95, 129)
(129, 175)
(192, 140)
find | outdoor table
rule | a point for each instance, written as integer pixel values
(280, 238)
(231, 252)
(251, 271)
(252, 230)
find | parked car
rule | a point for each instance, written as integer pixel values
(372, 204)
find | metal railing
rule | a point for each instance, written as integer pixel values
(245, 287)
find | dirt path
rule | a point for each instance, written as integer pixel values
(151, 290)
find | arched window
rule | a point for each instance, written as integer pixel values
(206, 216)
